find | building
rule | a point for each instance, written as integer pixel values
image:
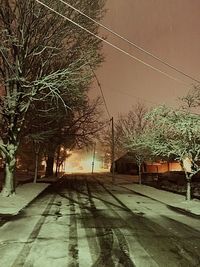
(127, 165)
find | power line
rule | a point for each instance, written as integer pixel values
(101, 90)
(102, 94)
(97, 80)
(112, 45)
(134, 96)
(131, 43)
(154, 103)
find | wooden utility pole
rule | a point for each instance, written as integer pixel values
(113, 151)
(37, 149)
(93, 159)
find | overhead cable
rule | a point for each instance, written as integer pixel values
(100, 87)
(102, 94)
(131, 43)
(112, 45)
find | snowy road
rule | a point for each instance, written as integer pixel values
(85, 221)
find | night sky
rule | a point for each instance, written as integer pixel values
(170, 29)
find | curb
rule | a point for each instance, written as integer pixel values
(178, 209)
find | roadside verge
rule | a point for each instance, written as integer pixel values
(168, 198)
(25, 193)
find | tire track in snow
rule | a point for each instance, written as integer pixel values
(22, 256)
(73, 236)
(86, 222)
(104, 235)
(174, 246)
(122, 252)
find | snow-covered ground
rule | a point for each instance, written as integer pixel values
(25, 193)
(87, 221)
(169, 198)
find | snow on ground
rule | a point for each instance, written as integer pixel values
(78, 227)
(169, 198)
(27, 192)
(24, 194)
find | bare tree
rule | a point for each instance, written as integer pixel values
(191, 99)
(128, 124)
(76, 130)
(41, 55)
(53, 129)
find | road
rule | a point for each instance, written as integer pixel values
(88, 222)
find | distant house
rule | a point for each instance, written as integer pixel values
(161, 166)
(127, 165)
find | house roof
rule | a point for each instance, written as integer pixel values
(130, 157)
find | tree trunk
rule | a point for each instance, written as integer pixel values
(57, 161)
(188, 186)
(140, 174)
(188, 190)
(49, 168)
(9, 184)
(56, 173)
(36, 167)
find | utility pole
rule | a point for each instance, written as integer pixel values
(113, 151)
(93, 159)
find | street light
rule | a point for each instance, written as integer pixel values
(93, 159)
